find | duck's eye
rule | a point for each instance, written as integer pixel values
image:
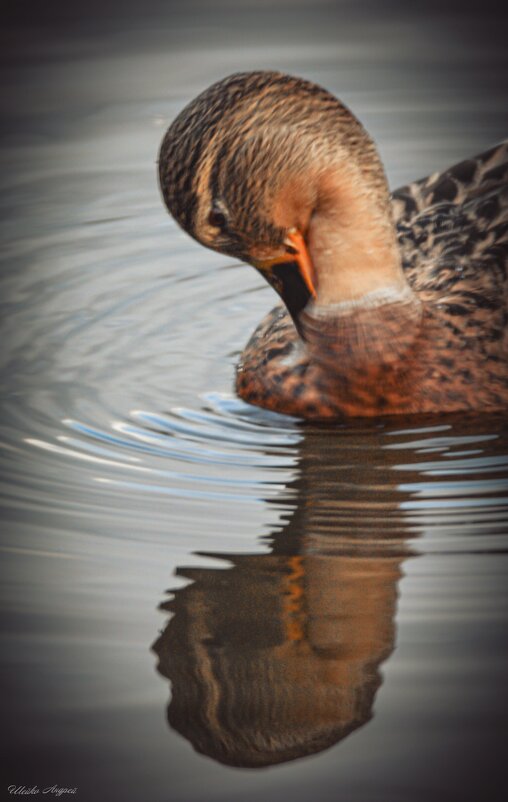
(217, 219)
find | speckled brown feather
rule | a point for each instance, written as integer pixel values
(247, 123)
(446, 350)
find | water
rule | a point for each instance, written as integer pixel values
(337, 599)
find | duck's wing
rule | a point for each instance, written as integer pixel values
(453, 231)
(469, 180)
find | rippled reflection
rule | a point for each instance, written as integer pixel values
(279, 655)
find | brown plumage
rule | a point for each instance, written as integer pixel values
(395, 303)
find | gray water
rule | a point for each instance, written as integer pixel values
(190, 582)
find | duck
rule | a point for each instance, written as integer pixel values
(392, 302)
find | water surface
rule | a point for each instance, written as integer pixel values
(203, 601)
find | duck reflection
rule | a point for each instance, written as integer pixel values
(279, 656)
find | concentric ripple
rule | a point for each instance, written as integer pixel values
(439, 484)
(121, 339)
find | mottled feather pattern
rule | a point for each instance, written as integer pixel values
(453, 235)
(247, 124)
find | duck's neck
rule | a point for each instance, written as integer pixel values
(365, 311)
(352, 242)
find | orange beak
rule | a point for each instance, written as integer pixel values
(297, 255)
(291, 275)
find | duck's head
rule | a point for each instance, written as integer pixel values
(275, 171)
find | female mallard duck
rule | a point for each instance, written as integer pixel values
(396, 303)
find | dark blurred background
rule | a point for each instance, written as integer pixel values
(460, 47)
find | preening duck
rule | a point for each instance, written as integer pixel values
(393, 303)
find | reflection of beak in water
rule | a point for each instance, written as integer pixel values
(278, 657)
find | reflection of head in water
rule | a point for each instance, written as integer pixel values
(277, 657)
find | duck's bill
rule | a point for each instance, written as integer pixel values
(291, 275)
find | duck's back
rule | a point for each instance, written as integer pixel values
(453, 234)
